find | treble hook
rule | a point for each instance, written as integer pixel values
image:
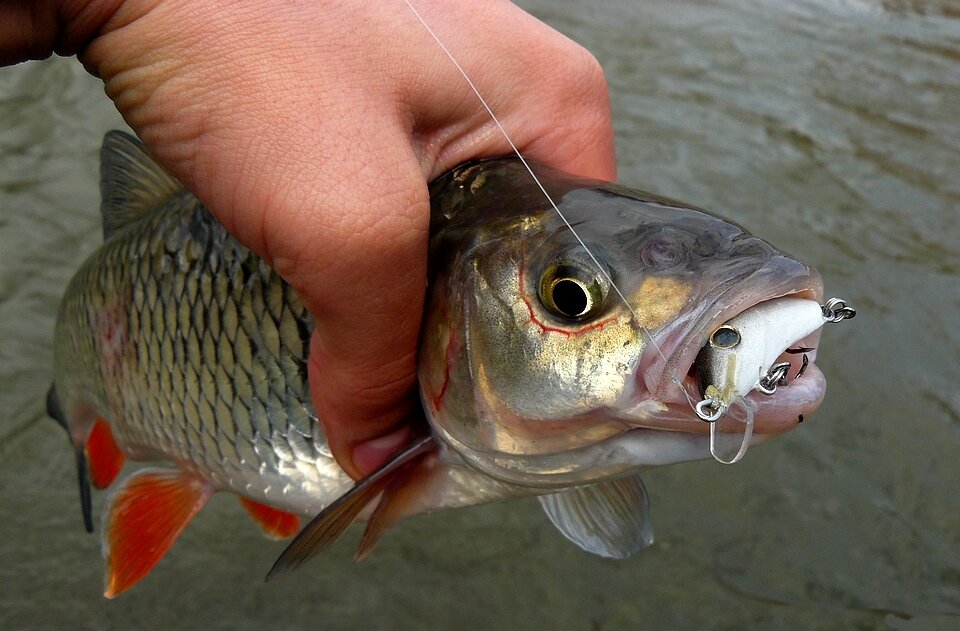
(837, 310)
(776, 376)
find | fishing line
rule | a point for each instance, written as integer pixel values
(533, 175)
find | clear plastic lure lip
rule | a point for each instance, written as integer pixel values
(730, 435)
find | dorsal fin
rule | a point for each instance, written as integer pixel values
(131, 182)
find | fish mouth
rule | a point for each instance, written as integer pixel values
(668, 371)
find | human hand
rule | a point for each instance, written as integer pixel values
(311, 130)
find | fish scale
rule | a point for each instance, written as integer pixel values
(200, 357)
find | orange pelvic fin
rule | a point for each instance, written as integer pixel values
(277, 524)
(332, 521)
(103, 455)
(146, 515)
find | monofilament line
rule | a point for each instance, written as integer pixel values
(533, 175)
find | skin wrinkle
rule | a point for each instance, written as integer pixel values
(441, 129)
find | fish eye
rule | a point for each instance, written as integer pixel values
(725, 337)
(571, 292)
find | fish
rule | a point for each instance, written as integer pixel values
(553, 362)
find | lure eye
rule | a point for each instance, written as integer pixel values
(725, 337)
(571, 292)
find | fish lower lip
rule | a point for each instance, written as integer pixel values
(775, 414)
(786, 408)
(783, 410)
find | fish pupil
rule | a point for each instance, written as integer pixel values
(570, 297)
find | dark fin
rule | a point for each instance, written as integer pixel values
(146, 515)
(54, 410)
(104, 457)
(611, 519)
(277, 524)
(326, 527)
(86, 507)
(56, 413)
(131, 182)
(400, 493)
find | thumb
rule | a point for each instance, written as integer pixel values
(362, 362)
(366, 420)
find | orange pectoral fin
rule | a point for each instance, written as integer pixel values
(333, 520)
(397, 497)
(146, 515)
(277, 524)
(103, 455)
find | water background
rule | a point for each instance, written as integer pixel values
(829, 127)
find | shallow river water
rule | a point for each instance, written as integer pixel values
(829, 127)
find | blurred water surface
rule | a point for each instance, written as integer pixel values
(829, 127)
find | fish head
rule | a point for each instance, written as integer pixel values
(560, 351)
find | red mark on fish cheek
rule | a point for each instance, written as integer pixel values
(449, 355)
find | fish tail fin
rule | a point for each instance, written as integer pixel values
(326, 527)
(144, 518)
